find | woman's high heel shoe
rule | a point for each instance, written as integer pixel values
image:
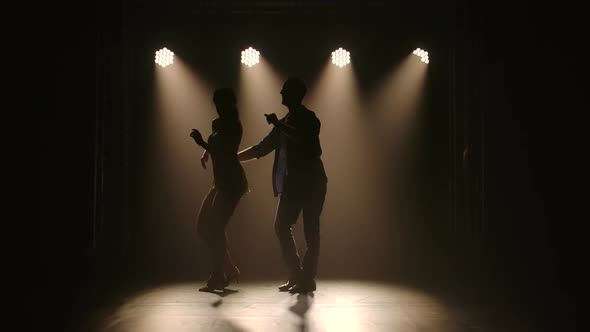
(215, 283)
(233, 274)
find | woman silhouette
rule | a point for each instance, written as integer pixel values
(230, 185)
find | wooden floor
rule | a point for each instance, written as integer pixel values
(258, 306)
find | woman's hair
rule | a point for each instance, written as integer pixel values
(226, 101)
(224, 96)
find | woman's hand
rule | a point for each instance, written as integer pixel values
(205, 159)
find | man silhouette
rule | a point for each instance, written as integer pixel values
(300, 180)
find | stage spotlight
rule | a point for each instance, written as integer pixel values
(164, 57)
(341, 57)
(250, 57)
(422, 54)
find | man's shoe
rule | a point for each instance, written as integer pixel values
(286, 286)
(303, 287)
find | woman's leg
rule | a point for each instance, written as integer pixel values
(228, 263)
(232, 272)
(205, 216)
(223, 208)
(206, 228)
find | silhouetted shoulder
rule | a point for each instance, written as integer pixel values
(309, 116)
(226, 125)
(306, 112)
(216, 124)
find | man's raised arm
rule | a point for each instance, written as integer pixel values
(266, 146)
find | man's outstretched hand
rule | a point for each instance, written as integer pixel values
(196, 135)
(271, 118)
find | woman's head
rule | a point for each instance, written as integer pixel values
(225, 102)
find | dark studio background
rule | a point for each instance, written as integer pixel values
(492, 224)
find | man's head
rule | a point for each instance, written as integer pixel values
(293, 91)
